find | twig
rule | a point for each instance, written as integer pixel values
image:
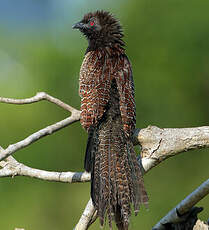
(38, 97)
(86, 216)
(174, 216)
(75, 116)
(37, 135)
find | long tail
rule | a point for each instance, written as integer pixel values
(116, 181)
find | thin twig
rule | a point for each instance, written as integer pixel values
(75, 116)
(86, 217)
(38, 135)
(38, 97)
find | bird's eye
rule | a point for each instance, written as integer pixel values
(91, 23)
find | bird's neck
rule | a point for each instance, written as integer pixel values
(113, 49)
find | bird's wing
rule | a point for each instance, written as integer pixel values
(125, 85)
(95, 84)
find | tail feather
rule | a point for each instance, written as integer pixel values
(123, 188)
(91, 148)
(104, 182)
(116, 177)
(119, 220)
(141, 195)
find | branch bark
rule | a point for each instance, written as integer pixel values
(12, 168)
(159, 144)
(178, 213)
(38, 97)
(86, 217)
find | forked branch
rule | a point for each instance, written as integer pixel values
(156, 145)
(75, 116)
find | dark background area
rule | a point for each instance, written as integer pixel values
(168, 45)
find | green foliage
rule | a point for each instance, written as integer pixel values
(167, 42)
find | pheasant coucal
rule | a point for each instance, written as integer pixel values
(108, 113)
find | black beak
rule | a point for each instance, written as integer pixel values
(78, 25)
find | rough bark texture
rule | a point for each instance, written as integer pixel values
(159, 144)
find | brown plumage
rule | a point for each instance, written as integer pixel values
(108, 114)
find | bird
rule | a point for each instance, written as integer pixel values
(108, 114)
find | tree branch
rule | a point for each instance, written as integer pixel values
(38, 135)
(38, 97)
(86, 217)
(156, 144)
(177, 214)
(160, 144)
(12, 168)
(75, 116)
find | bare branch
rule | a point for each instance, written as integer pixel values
(156, 145)
(38, 135)
(175, 215)
(75, 116)
(159, 144)
(38, 97)
(86, 216)
(11, 168)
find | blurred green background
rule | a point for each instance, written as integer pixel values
(168, 45)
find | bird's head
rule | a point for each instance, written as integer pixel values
(101, 29)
